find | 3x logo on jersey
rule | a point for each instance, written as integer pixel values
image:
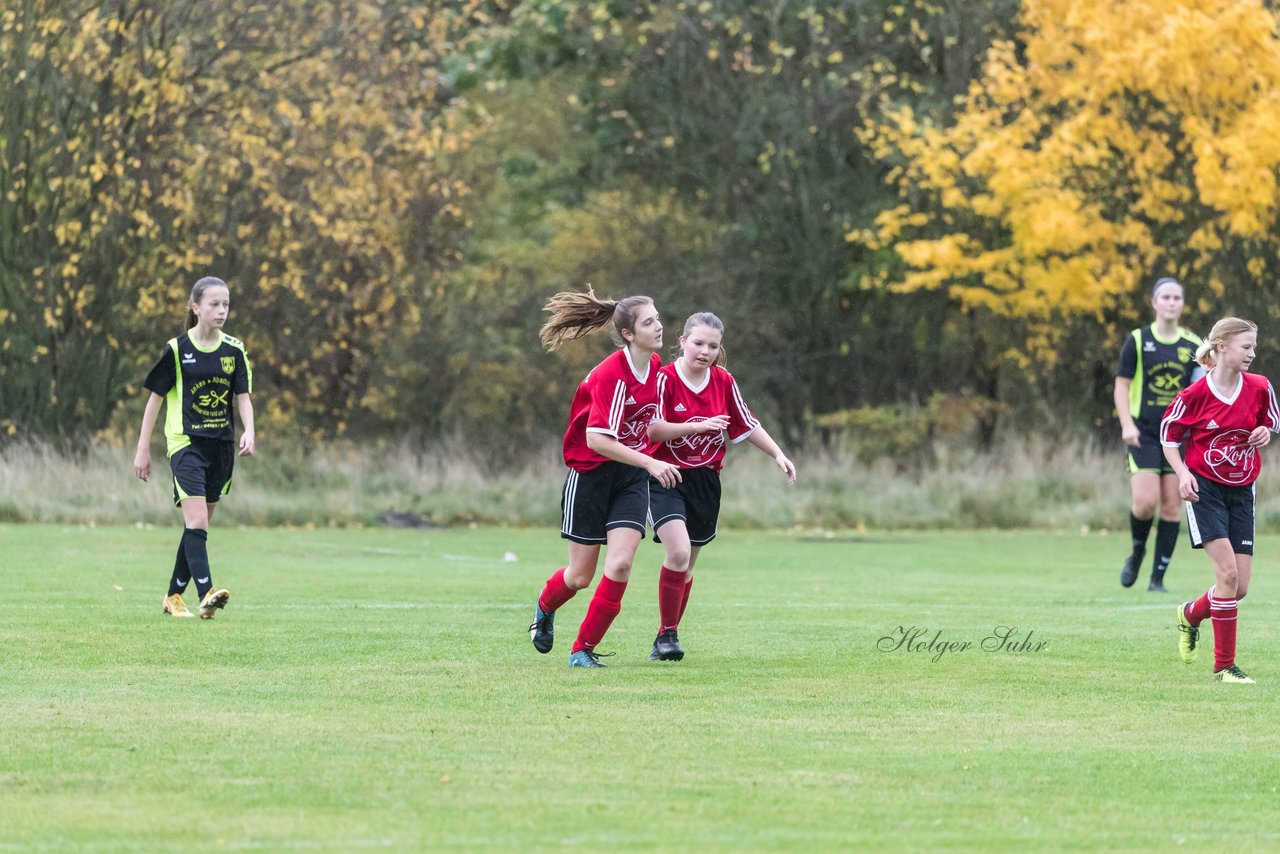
(211, 400)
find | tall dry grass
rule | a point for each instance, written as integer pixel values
(1025, 484)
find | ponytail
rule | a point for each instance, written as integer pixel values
(575, 315)
(1205, 354)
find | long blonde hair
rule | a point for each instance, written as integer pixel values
(1222, 333)
(575, 315)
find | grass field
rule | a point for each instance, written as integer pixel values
(377, 689)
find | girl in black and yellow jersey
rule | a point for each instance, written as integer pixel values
(1156, 363)
(198, 376)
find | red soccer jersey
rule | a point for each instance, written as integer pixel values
(614, 399)
(680, 401)
(1216, 428)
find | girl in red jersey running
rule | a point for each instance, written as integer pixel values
(699, 405)
(1224, 419)
(609, 455)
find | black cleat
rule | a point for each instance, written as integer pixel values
(666, 647)
(542, 631)
(1157, 586)
(1129, 572)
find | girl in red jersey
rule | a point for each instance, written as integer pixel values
(608, 452)
(699, 405)
(1224, 419)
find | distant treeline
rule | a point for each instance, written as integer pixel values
(892, 205)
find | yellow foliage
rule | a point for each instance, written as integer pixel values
(285, 155)
(1127, 136)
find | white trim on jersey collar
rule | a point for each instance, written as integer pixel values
(696, 389)
(626, 354)
(1227, 400)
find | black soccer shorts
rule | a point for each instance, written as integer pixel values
(203, 470)
(1148, 456)
(611, 495)
(695, 499)
(1223, 512)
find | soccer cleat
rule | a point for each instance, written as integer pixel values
(212, 601)
(1188, 636)
(1157, 587)
(1232, 674)
(542, 630)
(1129, 572)
(586, 658)
(666, 647)
(175, 607)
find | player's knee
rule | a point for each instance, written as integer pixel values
(576, 578)
(1227, 580)
(619, 569)
(620, 574)
(1143, 508)
(619, 566)
(677, 558)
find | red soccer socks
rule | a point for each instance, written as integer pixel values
(555, 593)
(605, 605)
(672, 595)
(1223, 612)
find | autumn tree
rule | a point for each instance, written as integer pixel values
(287, 146)
(1110, 143)
(748, 112)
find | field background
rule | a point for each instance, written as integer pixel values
(376, 689)
(1070, 486)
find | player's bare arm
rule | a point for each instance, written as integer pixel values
(142, 459)
(666, 431)
(1128, 429)
(607, 446)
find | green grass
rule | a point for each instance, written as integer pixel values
(377, 689)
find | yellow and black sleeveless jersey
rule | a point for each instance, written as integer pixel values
(199, 387)
(1159, 369)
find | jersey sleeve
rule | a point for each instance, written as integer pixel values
(163, 375)
(242, 382)
(662, 399)
(1173, 427)
(741, 422)
(1270, 415)
(1128, 365)
(608, 399)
